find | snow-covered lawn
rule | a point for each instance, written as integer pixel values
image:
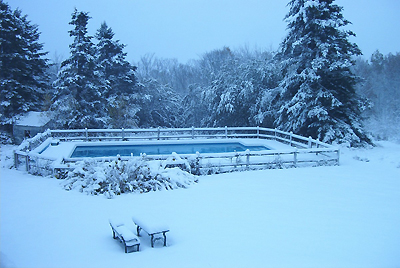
(337, 216)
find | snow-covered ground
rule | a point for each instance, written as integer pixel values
(336, 216)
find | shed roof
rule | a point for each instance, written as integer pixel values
(34, 119)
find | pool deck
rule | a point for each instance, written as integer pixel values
(65, 149)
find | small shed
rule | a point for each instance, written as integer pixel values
(29, 125)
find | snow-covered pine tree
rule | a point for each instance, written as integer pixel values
(318, 95)
(23, 77)
(118, 83)
(77, 103)
(114, 69)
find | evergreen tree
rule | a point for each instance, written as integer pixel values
(116, 73)
(23, 76)
(118, 83)
(78, 96)
(318, 95)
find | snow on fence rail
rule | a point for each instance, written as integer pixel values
(303, 147)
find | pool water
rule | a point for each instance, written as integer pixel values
(161, 149)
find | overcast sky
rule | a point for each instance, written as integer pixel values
(185, 29)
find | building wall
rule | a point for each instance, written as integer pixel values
(22, 132)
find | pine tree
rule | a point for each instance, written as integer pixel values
(23, 67)
(318, 95)
(115, 71)
(117, 79)
(77, 103)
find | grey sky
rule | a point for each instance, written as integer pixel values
(185, 29)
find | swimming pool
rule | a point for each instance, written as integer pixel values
(161, 149)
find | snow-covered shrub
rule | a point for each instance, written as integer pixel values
(41, 167)
(278, 162)
(32, 143)
(211, 169)
(6, 156)
(5, 138)
(116, 177)
(176, 161)
(195, 165)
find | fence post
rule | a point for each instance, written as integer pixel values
(192, 132)
(258, 132)
(237, 159)
(295, 158)
(291, 137)
(122, 134)
(309, 142)
(158, 133)
(226, 132)
(27, 163)
(275, 134)
(247, 158)
(15, 160)
(86, 134)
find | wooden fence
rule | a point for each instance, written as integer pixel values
(304, 150)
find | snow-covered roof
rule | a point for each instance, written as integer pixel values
(35, 119)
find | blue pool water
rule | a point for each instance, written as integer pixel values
(161, 149)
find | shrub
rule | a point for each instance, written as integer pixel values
(116, 177)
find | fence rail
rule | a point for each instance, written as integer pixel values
(303, 148)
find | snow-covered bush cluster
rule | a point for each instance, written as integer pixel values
(116, 177)
(5, 138)
(40, 166)
(34, 142)
(6, 156)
